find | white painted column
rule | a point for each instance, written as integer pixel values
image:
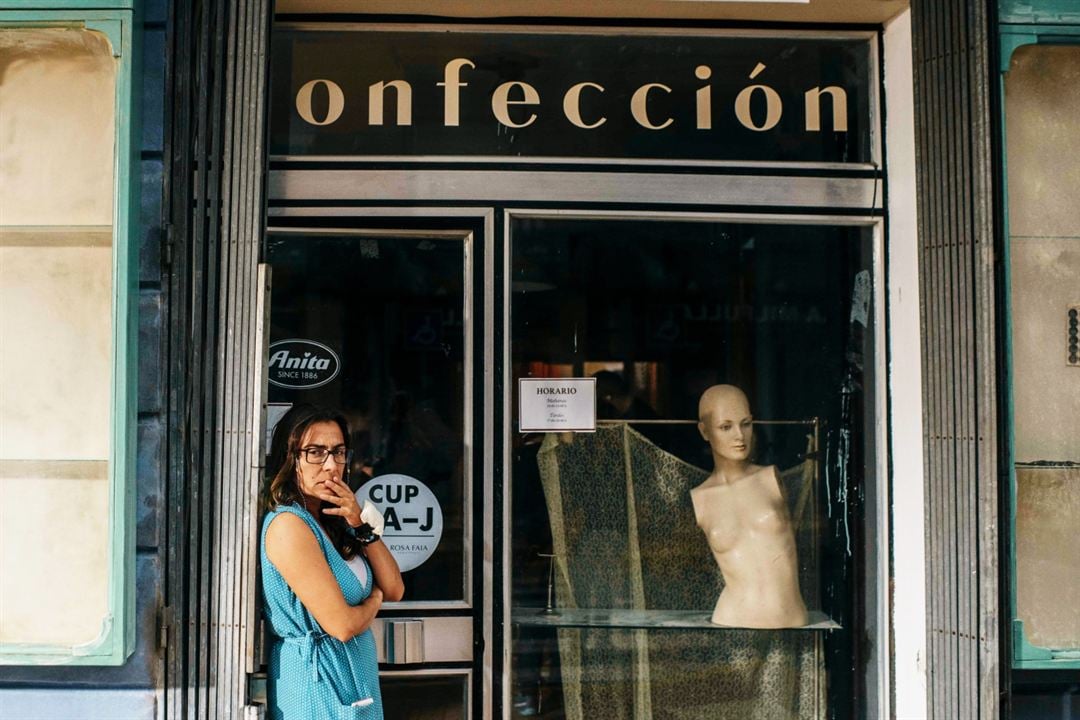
(905, 380)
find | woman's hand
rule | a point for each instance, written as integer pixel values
(341, 497)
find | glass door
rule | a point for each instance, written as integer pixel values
(378, 322)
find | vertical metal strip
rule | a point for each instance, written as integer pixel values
(233, 197)
(933, 31)
(257, 382)
(937, 306)
(931, 261)
(218, 78)
(261, 82)
(488, 541)
(970, 429)
(969, 569)
(919, 84)
(249, 290)
(931, 192)
(247, 294)
(209, 552)
(193, 396)
(988, 625)
(201, 245)
(954, 539)
(502, 488)
(176, 195)
(939, 250)
(225, 382)
(225, 340)
(248, 610)
(954, 185)
(238, 359)
(953, 240)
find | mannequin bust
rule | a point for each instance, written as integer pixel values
(743, 512)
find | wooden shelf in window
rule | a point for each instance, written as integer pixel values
(647, 620)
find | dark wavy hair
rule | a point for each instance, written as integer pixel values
(281, 486)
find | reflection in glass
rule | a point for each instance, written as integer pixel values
(658, 312)
(391, 309)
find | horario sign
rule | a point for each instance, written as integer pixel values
(459, 93)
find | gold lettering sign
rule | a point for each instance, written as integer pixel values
(337, 101)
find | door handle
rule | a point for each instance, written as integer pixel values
(404, 642)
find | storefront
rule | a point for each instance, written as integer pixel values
(461, 217)
(520, 245)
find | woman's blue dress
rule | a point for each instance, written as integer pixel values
(314, 676)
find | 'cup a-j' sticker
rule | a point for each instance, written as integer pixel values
(414, 521)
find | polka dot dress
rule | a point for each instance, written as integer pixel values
(314, 676)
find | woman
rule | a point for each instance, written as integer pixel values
(325, 574)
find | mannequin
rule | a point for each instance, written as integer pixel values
(743, 512)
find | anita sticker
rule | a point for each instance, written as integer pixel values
(414, 519)
(301, 364)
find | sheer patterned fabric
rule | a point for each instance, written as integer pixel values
(625, 537)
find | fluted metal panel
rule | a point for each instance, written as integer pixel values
(952, 67)
(216, 206)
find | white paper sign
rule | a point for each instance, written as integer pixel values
(414, 520)
(557, 405)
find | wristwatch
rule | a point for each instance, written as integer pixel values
(365, 534)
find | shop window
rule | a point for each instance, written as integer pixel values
(66, 348)
(614, 581)
(1042, 124)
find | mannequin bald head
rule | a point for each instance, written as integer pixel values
(743, 512)
(725, 422)
(723, 397)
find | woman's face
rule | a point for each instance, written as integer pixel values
(729, 429)
(311, 476)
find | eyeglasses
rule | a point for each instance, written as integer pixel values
(317, 455)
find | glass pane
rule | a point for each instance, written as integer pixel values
(380, 322)
(425, 697)
(624, 620)
(56, 310)
(1042, 104)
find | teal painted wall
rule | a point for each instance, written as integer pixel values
(1039, 11)
(1039, 695)
(127, 691)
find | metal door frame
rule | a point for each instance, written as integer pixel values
(469, 470)
(483, 474)
(879, 485)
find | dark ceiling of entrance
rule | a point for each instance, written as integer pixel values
(839, 11)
